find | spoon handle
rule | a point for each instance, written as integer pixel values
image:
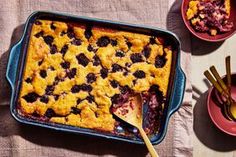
(149, 145)
(228, 72)
(218, 78)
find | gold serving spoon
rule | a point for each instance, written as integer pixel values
(132, 113)
(221, 91)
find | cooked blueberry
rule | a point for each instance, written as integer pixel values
(91, 78)
(152, 40)
(113, 42)
(88, 33)
(114, 83)
(103, 41)
(76, 42)
(134, 82)
(96, 61)
(75, 110)
(39, 34)
(75, 89)
(49, 90)
(85, 87)
(91, 49)
(43, 73)
(116, 67)
(136, 57)
(154, 88)
(115, 98)
(65, 65)
(52, 26)
(78, 100)
(125, 73)
(128, 64)
(70, 33)
(139, 74)
(48, 39)
(64, 49)
(50, 113)
(82, 59)
(56, 97)
(160, 61)
(31, 97)
(119, 53)
(71, 74)
(37, 22)
(124, 89)
(104, 72)
(53, 49)
(28, 80)
(129, 44)
(90, 98)
(51, 68)
(62, 33)
(40, 62)
(44, 99)
(146, 51)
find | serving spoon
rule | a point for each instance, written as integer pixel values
(132, 113)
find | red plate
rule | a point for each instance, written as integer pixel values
(214, 110)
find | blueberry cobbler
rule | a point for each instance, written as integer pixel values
(75, 73)
(211, 16)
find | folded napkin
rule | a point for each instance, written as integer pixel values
(26, 141)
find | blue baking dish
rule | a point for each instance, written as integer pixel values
(16, 63)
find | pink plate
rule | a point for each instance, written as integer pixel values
(214, 109)
(206, 36)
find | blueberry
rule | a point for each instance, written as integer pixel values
(146, 51)
(160, 61)
(48, 39)
(44, 99)
(113, 42)
(52, 26)
(75, 89)
(88, 32)
(96, 61)
(64, 49)
(116, 67)
(39, 34)
(31, 97)
(103, 41)
(71, 74)
(28, 80)
(91, 78)
(85, 87)
(56, 97)
(91, 49)
(76, 42)
(40, 62)
(75, 110)
(139, 74)
(136, 57)
(90, 98)
(104, 72)
(152, 40)
(53, 49)
(114, 83)
(129, 44)
(119, 53)
(43, 73)
(70, 33)
(50, 113)
(65, 65)
(82, 59)
(49, 90)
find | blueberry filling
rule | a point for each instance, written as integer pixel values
(103, 41)
(31, 97)
(43, 73)
(82, 59)
(139, 74)
(136, 57)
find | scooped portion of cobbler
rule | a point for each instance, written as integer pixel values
(74, 73)
(211, 16)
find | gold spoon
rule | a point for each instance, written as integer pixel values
(228, 73)
(230, 101)
(131, 112)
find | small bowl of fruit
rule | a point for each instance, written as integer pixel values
(210, 20)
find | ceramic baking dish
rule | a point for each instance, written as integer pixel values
(16, 65)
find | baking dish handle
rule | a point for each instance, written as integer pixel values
(179, 88)
(12, 65)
